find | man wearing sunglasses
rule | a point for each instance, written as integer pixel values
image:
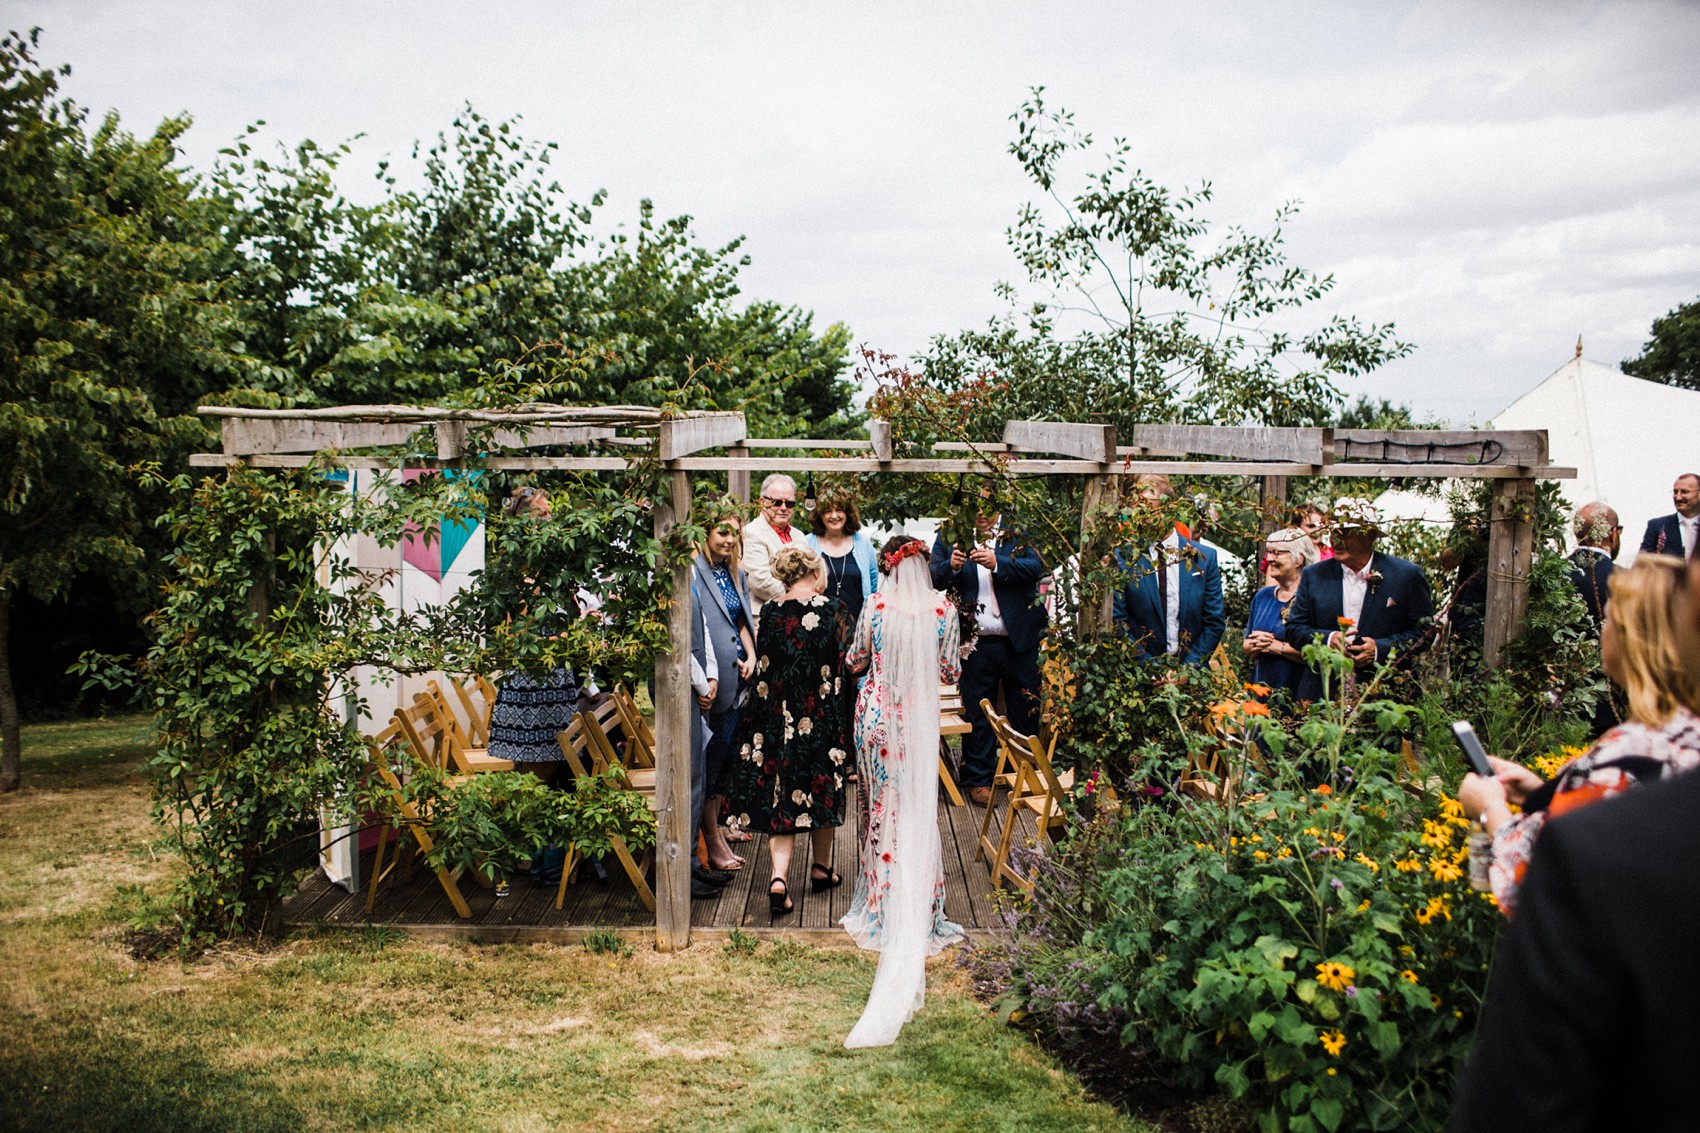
(764, 535)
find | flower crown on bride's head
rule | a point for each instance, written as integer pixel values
(889, 561)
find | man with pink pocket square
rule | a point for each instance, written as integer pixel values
(1367, 604)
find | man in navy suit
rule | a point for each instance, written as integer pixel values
(998, 578)
(1366, 604)
(1677, 534)
(1171, 600)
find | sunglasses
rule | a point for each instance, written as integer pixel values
(771, 502)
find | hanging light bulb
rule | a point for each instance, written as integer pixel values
(809, 494)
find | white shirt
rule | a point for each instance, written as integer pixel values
(1690, 529)
(989, 615)
(1354, 586)
(1171, 589)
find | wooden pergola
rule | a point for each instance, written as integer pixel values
(694, 443)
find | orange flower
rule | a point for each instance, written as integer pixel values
(1257, 690)
(1324, 789)
(1225, 709)
(1254, 708)
(1345, 624)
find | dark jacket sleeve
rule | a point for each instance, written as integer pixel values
(1414, 594)
(1650, 541)
(1017, 561)
(943, 577)
(1302, 628)
(1215, 612)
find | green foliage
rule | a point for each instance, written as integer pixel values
(1672, 354)
(493, 821)
(740, 943)
(607, 942)
(1147, 316)
(1309, 944)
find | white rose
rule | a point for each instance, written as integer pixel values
(761, 689)
(805, 725)
(804, 820)
(811, 620)
(826, 671)
(798, 797)
(757, 740)
(790, 734)
(838, 755)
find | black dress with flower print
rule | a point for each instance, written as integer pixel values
(793, 743)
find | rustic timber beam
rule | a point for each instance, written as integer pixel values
(1087, 442)
(673, 723)
(1511, 546)
(681, 436)
(1018, 467)
(1299, 446)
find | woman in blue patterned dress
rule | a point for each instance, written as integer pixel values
(908, 633)
(531, 709)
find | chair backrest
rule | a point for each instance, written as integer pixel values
(450, 711)
(640, 737)
(1030, 758)
(432, 729)
(474, 708)
(576, 747)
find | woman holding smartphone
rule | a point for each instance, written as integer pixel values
(1661, 737)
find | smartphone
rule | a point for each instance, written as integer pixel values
(1472, 748)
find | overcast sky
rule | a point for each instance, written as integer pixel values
(1494, 178)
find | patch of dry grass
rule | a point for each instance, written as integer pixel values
(364, 1029)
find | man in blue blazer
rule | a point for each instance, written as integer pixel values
(1677, 534)
(1385, 600)
(998, 578)
(1171, 599)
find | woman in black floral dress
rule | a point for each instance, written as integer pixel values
(794, 752)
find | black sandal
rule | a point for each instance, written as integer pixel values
(823, 877)
(778, 900)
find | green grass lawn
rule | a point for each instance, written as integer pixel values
(366, 1029)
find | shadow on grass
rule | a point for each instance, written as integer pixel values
(85, 753)
(86, 1081)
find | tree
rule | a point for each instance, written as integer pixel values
(1672, 354)
(1146, 316)
(106, 313)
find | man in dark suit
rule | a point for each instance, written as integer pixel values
(1589, 1022)
(1364, 603)
(999, 579)
(1170, 601)
(1599, 537)
(1677, 534)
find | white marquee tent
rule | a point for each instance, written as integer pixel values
(1627, 438)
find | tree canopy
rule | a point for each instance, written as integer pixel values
(1672, 354)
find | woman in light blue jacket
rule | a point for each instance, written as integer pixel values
(852, 569)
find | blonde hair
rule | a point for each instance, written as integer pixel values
(1294, 541)
(1646, 603)
(792, 564)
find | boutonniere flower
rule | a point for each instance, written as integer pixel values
(1374, 580)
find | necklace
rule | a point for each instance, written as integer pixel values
(836, 569)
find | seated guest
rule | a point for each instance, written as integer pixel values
(1170, 601)
(1677, 534)
(1599, 537)
(1277, 664)
(1366, 604)
(1660, 738)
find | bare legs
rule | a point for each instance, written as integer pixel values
(720, 852)
(780, 846)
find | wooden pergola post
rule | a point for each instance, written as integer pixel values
(673, 739)
(1511, 547)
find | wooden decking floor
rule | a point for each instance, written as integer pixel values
(419, 906)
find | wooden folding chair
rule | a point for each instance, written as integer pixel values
(640, 737)
(951, 723)
(429, 726)
(1035, 787)
(583, 757)
(606, 756)
(386, 746)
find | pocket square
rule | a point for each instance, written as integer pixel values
(1391, 602)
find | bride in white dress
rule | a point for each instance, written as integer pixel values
(909, 634)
